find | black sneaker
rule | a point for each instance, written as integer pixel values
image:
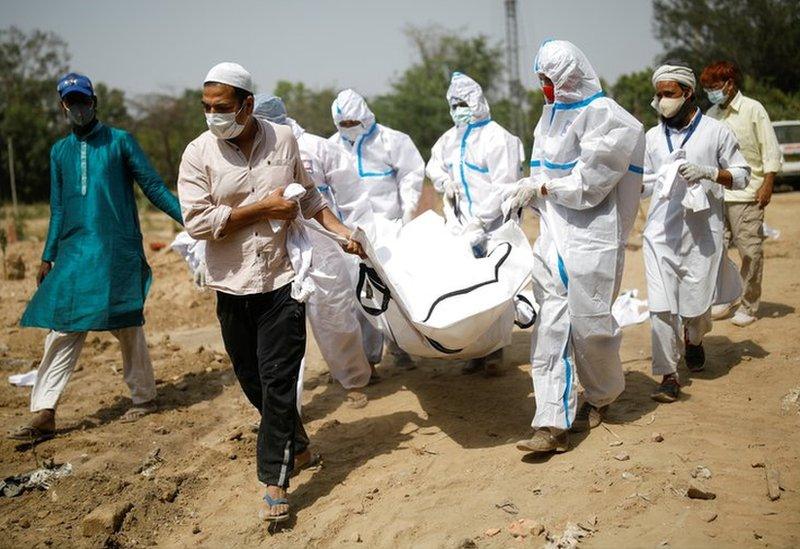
(668, 391)
(695, 357)
(588, 417)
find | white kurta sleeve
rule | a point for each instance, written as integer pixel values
(649, 178)
(605, 153)
(730, 158)
(410, 171)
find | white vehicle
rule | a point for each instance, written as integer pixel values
(788, 132)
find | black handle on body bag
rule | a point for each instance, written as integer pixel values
(364, 273)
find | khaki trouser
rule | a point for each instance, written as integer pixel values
(744, 228)
(61, 352)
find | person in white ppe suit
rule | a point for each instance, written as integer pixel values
(585, 182)
(474, 164)
(332, 310)
(690, 159)
(391, 171)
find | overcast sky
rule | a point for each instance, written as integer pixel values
(149, 45)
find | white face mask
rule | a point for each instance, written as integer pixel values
(717, 97)
(224, 125)
(352, 133)
(461, 115)
(668, 106)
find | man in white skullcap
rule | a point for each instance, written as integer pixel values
(689, 160)
(231, 184)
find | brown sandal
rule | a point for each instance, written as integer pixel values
(30, 434)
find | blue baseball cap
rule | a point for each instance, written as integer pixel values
(74, 82)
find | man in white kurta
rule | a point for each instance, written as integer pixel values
(689, 160)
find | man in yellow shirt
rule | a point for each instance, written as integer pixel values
(744, 209)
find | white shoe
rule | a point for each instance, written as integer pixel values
(742, 318)
(723, 310)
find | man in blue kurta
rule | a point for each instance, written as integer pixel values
(93, 276)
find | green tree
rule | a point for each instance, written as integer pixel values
(30, 115)
(761, 36)
(634, 92)
(30, 65)
(111, 106)
(417, 105)
(311, 108)
(780, 105)
(164, 125)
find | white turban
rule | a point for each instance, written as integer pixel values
(675, 73)
(232, 74)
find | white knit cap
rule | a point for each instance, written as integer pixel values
(232, 74)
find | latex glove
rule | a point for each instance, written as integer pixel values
(450, 189)
(694, 173)
(475, 232)
(523, 194)
(199, 275)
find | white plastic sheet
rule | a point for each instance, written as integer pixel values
(23, 380)
(628, 309)
(769, 232)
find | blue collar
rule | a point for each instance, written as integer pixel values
(479, 124)
(577, 104)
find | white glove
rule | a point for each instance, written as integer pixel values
(450, 189)
(199, 275)
(694, 173)
(408, 216)
(475, 232)
(523, 194)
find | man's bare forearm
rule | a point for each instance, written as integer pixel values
(244, 216)
(327, 219)
(725, 178)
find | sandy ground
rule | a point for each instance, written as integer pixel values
(430, 461)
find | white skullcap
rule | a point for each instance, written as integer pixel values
(232, 74)
(676, 73)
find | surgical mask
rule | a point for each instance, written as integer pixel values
(352, 133)
(224, 125)
(668, 106)
(461, 115)
(549, 92)
(80, 114)
(717, 97)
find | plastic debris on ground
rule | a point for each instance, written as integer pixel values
(38, 479)
(23, 380)
(769, 232)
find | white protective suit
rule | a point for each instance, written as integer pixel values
(391, 171)
(684, 255)
(588, 152)
(482, 156)
(332, 310)
(386, 160)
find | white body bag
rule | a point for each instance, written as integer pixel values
(423, 287)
